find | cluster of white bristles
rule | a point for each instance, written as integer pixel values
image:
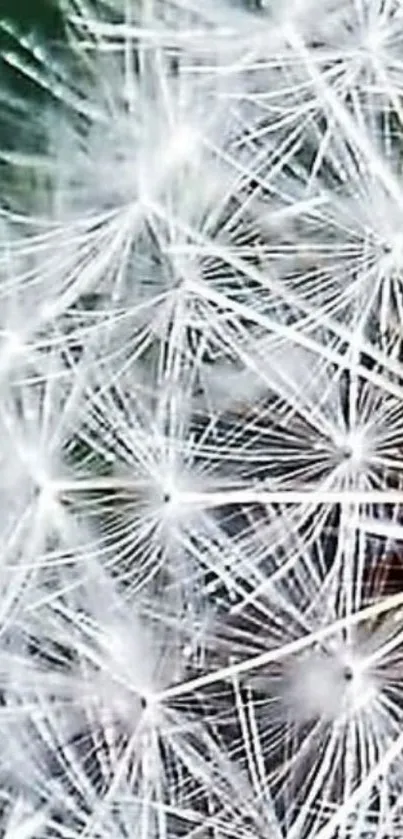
(201, 423)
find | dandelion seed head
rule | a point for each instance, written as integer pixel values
(317, 689)
(362, 689)
(200, 417)
(330, 684)
(356, 446)
(394, 253)
(320, 685)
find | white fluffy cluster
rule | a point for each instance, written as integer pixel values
(201, 424)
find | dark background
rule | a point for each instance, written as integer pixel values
(42, 21)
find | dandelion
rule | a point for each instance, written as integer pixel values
(200, 422)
